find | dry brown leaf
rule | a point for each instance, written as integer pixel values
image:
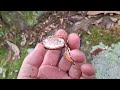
(113, 19)
(110, 12)
(98, 21)
(61, 20)
(83, 25)
(106, 23)
(92, 13)
(75, 18)
(15, 49)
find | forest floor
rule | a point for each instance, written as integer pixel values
(25, 29)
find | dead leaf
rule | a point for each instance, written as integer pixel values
(98, 21)
(83, 25)
(23, 36)
(96, 51)
(113, 19)
(106, 23)
(111, 12)
(15, 49)
(75, 18)
(92, 13)
(61, 20)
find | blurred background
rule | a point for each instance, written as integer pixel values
(99, 31)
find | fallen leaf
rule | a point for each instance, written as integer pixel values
(106, 23)
(96, 51)
(98, 21)
(113, 19)
(92, 13)
(75, 18)
(83, 25)
(15, 49)
(112, 12)
(23, 36)
(61, 20)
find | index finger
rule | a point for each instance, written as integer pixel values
(52, 56)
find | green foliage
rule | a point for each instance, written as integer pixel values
(101, 35)
(31, 16)
(21, 19)
(9, 70)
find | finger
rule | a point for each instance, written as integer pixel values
(52, 56)
(45, 73)
(76, 55)
(32, 62)
(79, 59)
(74, 41)
(88, 71)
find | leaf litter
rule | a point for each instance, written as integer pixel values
(71, 21)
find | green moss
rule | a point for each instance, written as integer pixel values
(101, 35)
(3, 54)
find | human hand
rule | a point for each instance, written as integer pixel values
(47, 64)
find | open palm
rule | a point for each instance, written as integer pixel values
(49, 64)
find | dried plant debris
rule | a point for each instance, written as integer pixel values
(15, 49)
(83, 13)
(92, 13)
(106, 22)
(75, 18)
(83, 25)
(23, 36)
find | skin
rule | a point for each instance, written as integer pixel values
(49, 64)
